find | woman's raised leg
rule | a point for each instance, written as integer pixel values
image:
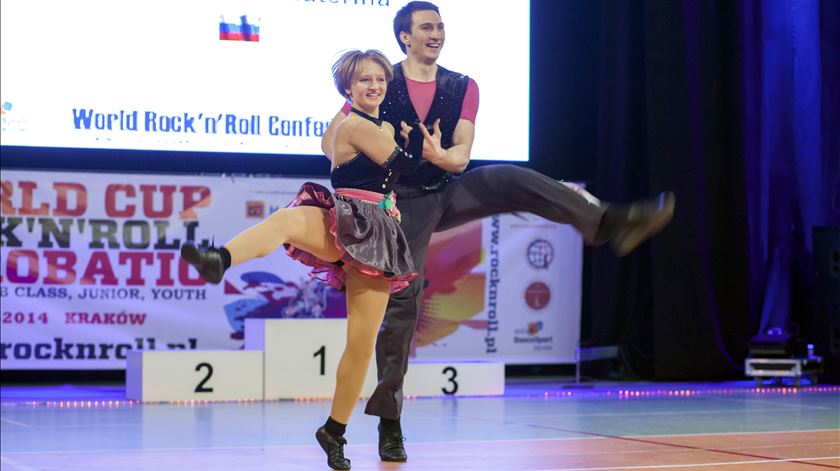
(305, 227)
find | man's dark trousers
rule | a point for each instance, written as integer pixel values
(482, 192)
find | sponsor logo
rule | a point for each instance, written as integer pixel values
(537, 295)
(530, 335)
(11, 121)
(540, 254)
(531, 329)
(254, 209)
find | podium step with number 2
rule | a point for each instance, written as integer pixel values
(182, 375)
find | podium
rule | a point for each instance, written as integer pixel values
(289, 359)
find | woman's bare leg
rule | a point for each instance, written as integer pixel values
(305, 227)
(367, 299)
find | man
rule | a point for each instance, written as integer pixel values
(433, 199)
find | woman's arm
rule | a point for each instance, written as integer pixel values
(378, 144)
(328, 139)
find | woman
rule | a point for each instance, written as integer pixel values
(352, 239)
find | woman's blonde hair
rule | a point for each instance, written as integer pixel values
(347, 66)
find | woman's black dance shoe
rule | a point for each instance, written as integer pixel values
(334, 448)
(208, 262)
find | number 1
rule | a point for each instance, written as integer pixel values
(323, 352)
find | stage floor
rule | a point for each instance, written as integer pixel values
(537, 425)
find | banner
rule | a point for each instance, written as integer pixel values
(91, 269)
(248, 77)
(519, 304)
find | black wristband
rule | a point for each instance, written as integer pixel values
(402, 161)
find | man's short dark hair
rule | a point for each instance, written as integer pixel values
(402, 22)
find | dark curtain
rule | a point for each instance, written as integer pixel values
(733, 106)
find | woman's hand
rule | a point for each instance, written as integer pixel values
(405, 130)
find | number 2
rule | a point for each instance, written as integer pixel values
(200, 388)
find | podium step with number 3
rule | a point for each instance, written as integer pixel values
(459, 378)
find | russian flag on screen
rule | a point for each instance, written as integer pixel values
(241, 30)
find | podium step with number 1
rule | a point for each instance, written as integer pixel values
(301, 356)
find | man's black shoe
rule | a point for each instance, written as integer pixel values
(644, 219)
(334, 448)
(391, 445)
(208, 262)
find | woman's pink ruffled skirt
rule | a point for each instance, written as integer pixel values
(368, 237)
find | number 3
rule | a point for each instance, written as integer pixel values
(451, 379)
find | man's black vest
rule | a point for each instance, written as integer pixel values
(449, 96)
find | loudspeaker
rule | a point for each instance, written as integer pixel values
(824, 326)
(826, 265)
(824, 333)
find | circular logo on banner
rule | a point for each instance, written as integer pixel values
(255, 209)
(537, 295)
(540, 254)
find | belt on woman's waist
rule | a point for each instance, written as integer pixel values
(388, 202)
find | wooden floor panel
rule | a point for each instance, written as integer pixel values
(538, 455)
